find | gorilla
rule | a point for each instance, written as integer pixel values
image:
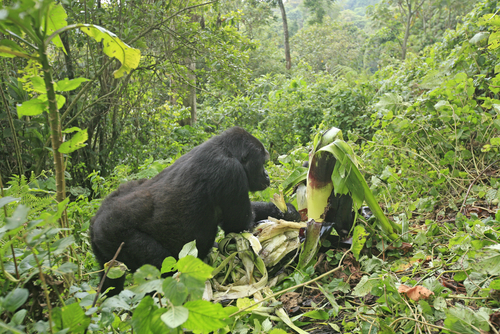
(205, 188)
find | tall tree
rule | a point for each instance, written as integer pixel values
(409, 9)
(288, 58)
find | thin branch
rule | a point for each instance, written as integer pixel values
(112, 262)
(474, 181)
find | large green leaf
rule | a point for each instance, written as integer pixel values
(10, 49)
(205, 316)
(8, 199)
(77, 141)
(65, 85)
(71, 317)
(194, 267)
(175, 316)
(147, 318)
(114, 47)
(56, 19)
(32, 107)
(175, 291)
(15, 299)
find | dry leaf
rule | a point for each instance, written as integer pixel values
(416, 293)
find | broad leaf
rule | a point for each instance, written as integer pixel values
(176, 316)
(56, 19)
(10, 49)
(71, 317)
(66, 85)
(114, 47)
(77, 141)
(32, 107)
(205, 316)
(15, 299)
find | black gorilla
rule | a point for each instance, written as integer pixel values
(204, 188)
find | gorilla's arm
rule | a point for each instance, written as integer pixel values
(236, 207)
(263, 210)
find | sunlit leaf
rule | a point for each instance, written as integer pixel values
(70, 317)
(205, 316)
(114, 47)
(32, 107)
(77, 141)
(56, 19)
(175, 316)
(66, 85)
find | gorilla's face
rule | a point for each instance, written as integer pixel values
(258, 179)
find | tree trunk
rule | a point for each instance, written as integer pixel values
(190, 101)
(407, 30)
(285, 34)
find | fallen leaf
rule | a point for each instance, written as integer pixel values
(416, 293)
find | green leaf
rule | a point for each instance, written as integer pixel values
(15, 299)
(60, 245)
(464, 320)
(10, 49)
(495, 284)
(60, 100)
(70, 317)
(32, 107)
(19, 217)
(490, 262)
(194, 267)
(358, 241)
(364, 286)
(56, 19)
(205, 316)
(168, 265)
(18, 318)
(66, 85)
(77, 141)
(38, 85)
(317, 314)
(277, 331)
(70, 130)
(189, 249)
(115, 303)
(67, 268)
(495, 141)
(6, 200)
(175, 316)
(480, 36)
(147, 318)
(175, 291)
(147, 279)
(114, 47)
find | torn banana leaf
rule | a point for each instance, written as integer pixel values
(243, 272)
(247, 270)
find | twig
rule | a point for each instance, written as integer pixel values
(472, 183)
(112, 262)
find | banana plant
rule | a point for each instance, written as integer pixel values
(333, 182)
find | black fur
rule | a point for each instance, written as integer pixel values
(204, 188)
(263, 210)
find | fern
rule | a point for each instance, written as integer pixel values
(30, 193)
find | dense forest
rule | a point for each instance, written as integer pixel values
(399, 97)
